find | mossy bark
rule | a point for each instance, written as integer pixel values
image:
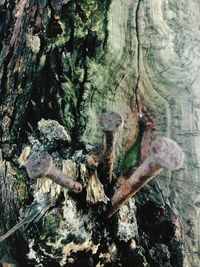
(68, 61)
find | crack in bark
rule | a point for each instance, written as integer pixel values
(80, 100)
(107, 5)
(138, 54)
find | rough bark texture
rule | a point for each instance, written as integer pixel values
(66, 62)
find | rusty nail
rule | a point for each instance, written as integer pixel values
(164, 153)
(110, 123)
(41, 164)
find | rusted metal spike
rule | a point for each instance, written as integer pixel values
(110, 123)
(41, 164)
(164, 153)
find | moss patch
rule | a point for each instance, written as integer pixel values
(131, 156)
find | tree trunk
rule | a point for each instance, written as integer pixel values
(65, 62)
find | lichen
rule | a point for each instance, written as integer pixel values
(53, 131)
(127, 224)
(33, 41)
(71, 235)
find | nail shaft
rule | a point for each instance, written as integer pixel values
(130, 187)
(41, 164)
(164, 153)
(110, 123)
(108, 155)
(60, 178)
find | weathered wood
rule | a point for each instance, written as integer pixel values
(70, 61)
(169, 78)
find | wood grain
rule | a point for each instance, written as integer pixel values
(169, 86)
(70, 61)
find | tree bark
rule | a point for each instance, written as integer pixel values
(64, 63)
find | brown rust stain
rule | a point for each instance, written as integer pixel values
(147, 125)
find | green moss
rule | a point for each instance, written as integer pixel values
(72, 39)
(131, 156)
(80, 31)
(51, 222)
(20, 186)
(22, 192)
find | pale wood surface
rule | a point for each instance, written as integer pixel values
(107, 55)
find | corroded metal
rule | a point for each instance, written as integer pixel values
(110, 123)
(41, 164)
(164, 153)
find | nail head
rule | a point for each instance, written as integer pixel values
(110, 121)
(167, 153)
(38, 164)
